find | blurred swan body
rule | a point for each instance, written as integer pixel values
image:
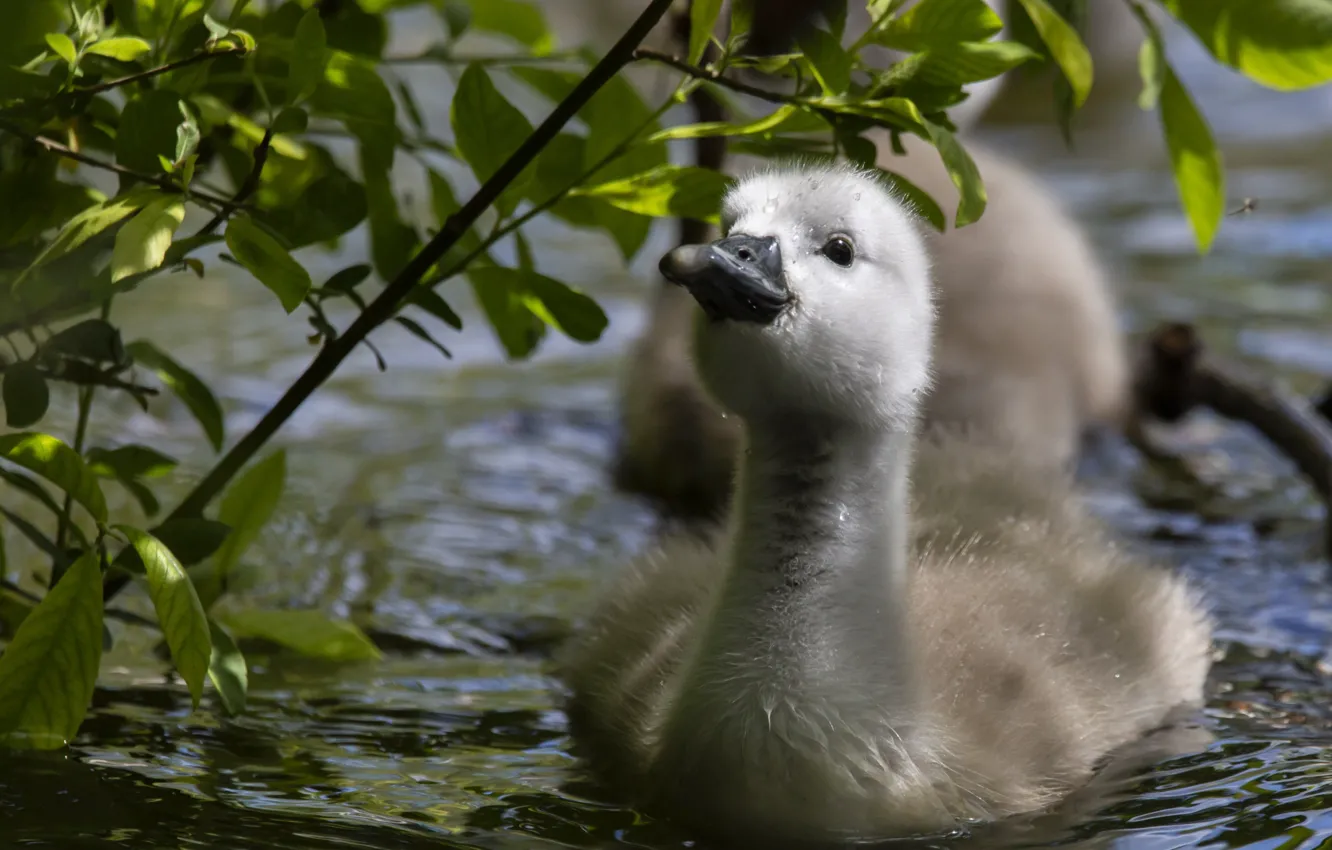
(837, 662)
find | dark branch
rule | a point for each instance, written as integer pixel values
(1175, 374)
(246, 189)
(69, 153)
(203, 56)
(711, 76)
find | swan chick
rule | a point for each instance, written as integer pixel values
(851, 658)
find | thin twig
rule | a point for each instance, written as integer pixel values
(711, 76)
(246, 188)
(202, 56)
(94, 378)
(69, 153)
(386, 304)
(439, 57)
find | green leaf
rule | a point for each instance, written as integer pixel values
(667, 190)
(1151, 66)
(353, 92)
(309, 56)
(187, 387)
(291, 120)
(131, 461)
(88, 224)
(940, 23)
(568, 310)
(226, 669)
(519, 331)
(702, 19)
(346, 280)
(179, 610)
(487, 128)
(963, 172)
(971, 61)
(32, 489)
(393, 242)
(723, 128)
(187, 138)
(147, 130)
(94, 340)
(924, 205)
(457, 17)
(141, 245)
(63, 46)
(192, 539)
(414, 328)
(430, 301)
(523, 22)
(307, 632)
(247, 507)
(49, 669)
(830, 63)
(1067, 49)
(25, 394)
(268, 261)
(57, 463)
(1196, 161)
(1281, 44)
(123, 48)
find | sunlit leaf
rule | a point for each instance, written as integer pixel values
(963, 172)
(89, 223)
(132, 461)
(1151, 66)
(1067, 49)
(49, 669)
(63, 46)
(668, 190)
(940, 23)
(702, 19)
(227, 671)
(307, 632)
(1199, 175)
(1282, 44)
(971, 61)
(179, 611)
(309, 56)
(187, 387)
(25, 394)
(124, 48)
(519, 20)
(57, 463)
(568, 310)
(247, 506)
(142, 243)
(724, 128)
(518, 330)
(268, 261)
(353, 92)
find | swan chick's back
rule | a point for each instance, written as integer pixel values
(831, 665)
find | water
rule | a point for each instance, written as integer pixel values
(460, 513)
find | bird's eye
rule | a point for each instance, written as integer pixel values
(839, 250)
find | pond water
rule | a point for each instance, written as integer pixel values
(460, 512)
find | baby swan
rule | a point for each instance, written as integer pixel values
(836, 665)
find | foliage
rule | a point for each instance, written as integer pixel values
(143, 138)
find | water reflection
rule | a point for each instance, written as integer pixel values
(460, 512)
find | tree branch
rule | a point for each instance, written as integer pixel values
(246, 188)
(443, 57)
(387, 302)
(711, 76)
(1175, 374)
(202, 56)
(160, 182)
(114, 613)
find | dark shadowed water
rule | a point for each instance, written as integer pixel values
(460, 512)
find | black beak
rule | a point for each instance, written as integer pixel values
(738, 278)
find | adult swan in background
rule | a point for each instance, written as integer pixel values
(839, 663)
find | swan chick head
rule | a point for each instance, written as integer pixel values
(817, 302)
